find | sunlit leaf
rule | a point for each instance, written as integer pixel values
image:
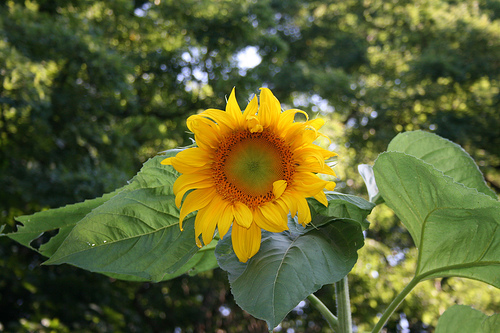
(444, 155)
(455, 228)
(289, 266)
(464, 319)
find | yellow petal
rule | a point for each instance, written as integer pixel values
(211, 216)
(308, 184)
(279, 187)
(314, 165)
(271, 217)
(330, 186)
(287, 118)
(222, 118)
(291, 203)
(206, 132)
(189, 186)
(195, 157)
(270, 108)
(242, 214)
(304, 212)
(225, 218)
(316, 123)
(246, 242)
(309, 135)
(191, 179)
(195, 201)
(321, 197)
(208, 226)
(283, 205)
(233, 109)
(167, 161)
(253, 124)
(198, 226)
(293, 134)
(252, 108)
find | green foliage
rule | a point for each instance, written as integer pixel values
(455, 228)
(290, 266)
(132, 234)
(294, 264)
(460, 318)
(444, 155)
(341, 207)
(89, 90)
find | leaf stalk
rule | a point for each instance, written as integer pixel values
(325, 311)
(394, 305)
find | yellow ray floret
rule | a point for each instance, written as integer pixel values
(250, 169)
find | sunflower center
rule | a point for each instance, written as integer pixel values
(247, 164)
(253, 165)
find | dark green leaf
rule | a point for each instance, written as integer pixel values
(456, 228)
(464, 319)
(340, 207)
(290, 266)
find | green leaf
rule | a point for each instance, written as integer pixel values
(136, 232)
(132, 233)
(201, 261)
(464, 319)
(444, 155)
(290, 266)
(61, 220)
(340, 207)
(455, 228)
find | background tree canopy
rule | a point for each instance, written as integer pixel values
(91, 89)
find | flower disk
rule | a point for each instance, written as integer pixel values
(250, 170)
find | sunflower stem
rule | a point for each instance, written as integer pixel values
(327, 314)
(343, 306)
(394, 305)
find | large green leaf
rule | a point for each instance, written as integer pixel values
(134, 233)
(290, 266)
(131, 234)
(61, 220)
(455, 228)
(444, 155)
(464, 319)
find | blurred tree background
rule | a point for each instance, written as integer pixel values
(92, 89)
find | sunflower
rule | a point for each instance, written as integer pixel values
(250, 170)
